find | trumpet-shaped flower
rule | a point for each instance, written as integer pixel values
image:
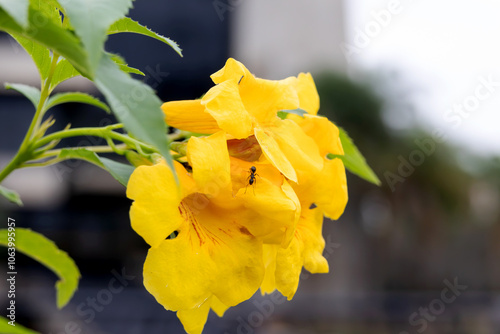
(248, 212)
(207, 232)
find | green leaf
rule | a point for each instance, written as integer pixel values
(126, 24)
(121, 172)
(135, 105)
(75, 97)
(30, 92)
(5, 328)
(354, 160)
(17, 9)
(42, 30)
(63, 71)
(46, 252)
(11, 195)
(39, 53)
(123, 65)
(284, 113)
(91, 19)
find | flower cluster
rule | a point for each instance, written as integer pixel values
(246, 209)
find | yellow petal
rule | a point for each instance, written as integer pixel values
(305, 250)
(332, 192)
(324, 133)
(308, 95)
(188, 186)
(275, 212)
(233, 69)
(209, 159)
(288, 190)
(264, 98)
(269, 283)
(298, 148)
(310, 229)
(288, 267)
(189, 115)
(224, 103)
(154, 214)
(218, 307)
(328, 191)
(211, 255)
(273, 153)
(194, 319)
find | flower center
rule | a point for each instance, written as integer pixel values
(247, 149)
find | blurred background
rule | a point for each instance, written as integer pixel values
(417, 86)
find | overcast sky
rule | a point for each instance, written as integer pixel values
(450, 49)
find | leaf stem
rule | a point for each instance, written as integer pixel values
(25, 152)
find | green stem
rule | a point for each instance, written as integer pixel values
(96, 132)
(96, 149)
(24, 153)
(44, 96)
(42, 164)
(13, 164)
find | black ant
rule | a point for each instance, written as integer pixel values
(252, 178)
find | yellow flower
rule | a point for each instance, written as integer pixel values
(207, 232)
(247, 212)
(244, 106)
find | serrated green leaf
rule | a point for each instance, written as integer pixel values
(75, 97)
(11, 195)
(121, 172)
(43, 250)
(63, 71)
(284, 113)
(30, 92)
(39, 53)
(126, 24)
(123, 65)
(135, 105)
(17, 9)
(354, 160)
(5, 328)
(91, 20)
(43, 31)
